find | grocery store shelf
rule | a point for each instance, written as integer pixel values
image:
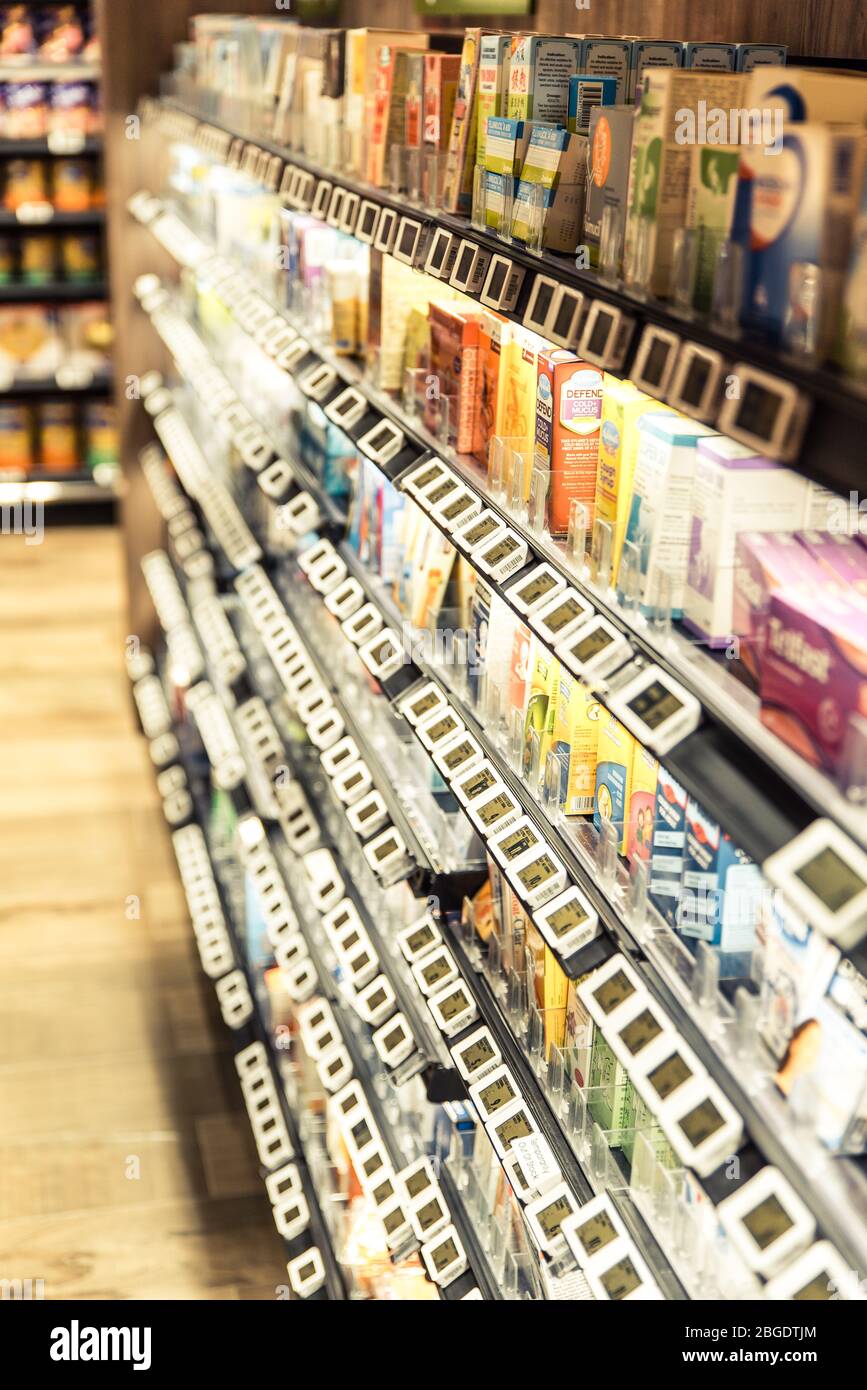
(30, 69)
(53, 292)
(834, 433)
(60, 488)
(59, 144)
(66, 381)
(47, 219)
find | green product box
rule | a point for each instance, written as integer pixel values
(713, 181)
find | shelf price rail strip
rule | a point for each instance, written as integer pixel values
(841, 1194)
(747, 779)
(264, 853)
(832, 441)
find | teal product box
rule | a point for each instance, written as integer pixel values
(761, 55)
(711, 57)
(506, 144)
(721, 888)
(794, 206)
(609, 58)
(652, 53)
(585, 92)
(669, 836)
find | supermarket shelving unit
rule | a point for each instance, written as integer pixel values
(755, 786)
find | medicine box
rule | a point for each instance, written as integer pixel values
(539, 74)
(492, 85)
(585, 92)
(605, 57)
(755, 55)
(660, 514)
(652, 53)
(842, 558)
(734, 490)
(574, 739)
(762, 565)
(713, 57)
(568, 419)
(713, 182)
(556, 163)
(614, 757)
(642, 805)
(669, 835)
(794, 206)
(721, 886)
(608, 171)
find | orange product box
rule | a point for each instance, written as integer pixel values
(441, 71)
(455, 344)
(568, 420)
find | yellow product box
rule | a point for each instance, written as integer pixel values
(551, 986)
(541, 707)
(615, 755)
(622, 404)
(574, 739)
(516, 392)
(642, 803)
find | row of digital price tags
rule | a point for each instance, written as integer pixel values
(209, 926)
(290, 1208)
(763, 410)
(157, 727)
(410, 1203)
(655, 707)
(186, 539)
(383, 845)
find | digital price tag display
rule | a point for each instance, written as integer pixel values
(322, 199)
(407, 240)
(823, 874)
(300, 515)
(349, 215)
(606, 334)
(341, 923)
(386, 231)
(769, 414)
(277, 480)
(382, 654)
(328, 574)
(382, 1190)
(417, 1182)
(373, 1167)
(592, 1230)
(662, 1069)
(542, 297)
(640, 1024)
(654, 360)
(453, 1008)
(442, 251)
(564, 316)
(362, 625)
(289, 358)
(537, 876)
(335, 1068)
(394, 1041)
(339, 755)
(457, 756)
(657, 709)
(471, 264)
(349, 1101)
(285, 1182)
(353, 782)
(567, 923)
(620, 1274)
(481, 778)
(426, 475)
(819, 1275)
(444, 1257)
(766, 1221)
(318, 1028)
(335, 207)
(382, 442)
(477, 1054)
(325, 728)
(367, 222)
(501, 556)
(306, 1272)
(418, 938)
(361, 1134)
(497, 1089)
(317, 381)
(479, 530)
(326, 885)
(436, 728)
(502, 285)
(493, 811)
(385, 851)
(376, 1001)
(513, 1122)
(701, 1126)
(545, 1217)
(300, 981)
(439, 492)
(515, 841)
(536, 588)
(429, 1217)
(362, 965)
(368, 815)
(594, 649)
(696, 381)
(435, 970)
(395, 1225)
(456, 509)
(560, 616)
(608, 990)
(346, 599)
(347, 409)
(276, 336)
(422, 702)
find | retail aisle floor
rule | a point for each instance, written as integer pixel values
(127, 1168)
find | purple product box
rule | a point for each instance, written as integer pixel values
(842, 557)
(814, 672)
(763, 564)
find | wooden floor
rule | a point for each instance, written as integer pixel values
(126, 1163)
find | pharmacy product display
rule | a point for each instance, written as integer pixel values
(56, 419)
(496, 681)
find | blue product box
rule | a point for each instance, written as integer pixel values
(761, 55)
(669, 836)
(585, 92)
(721, 886)
(711, 57)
